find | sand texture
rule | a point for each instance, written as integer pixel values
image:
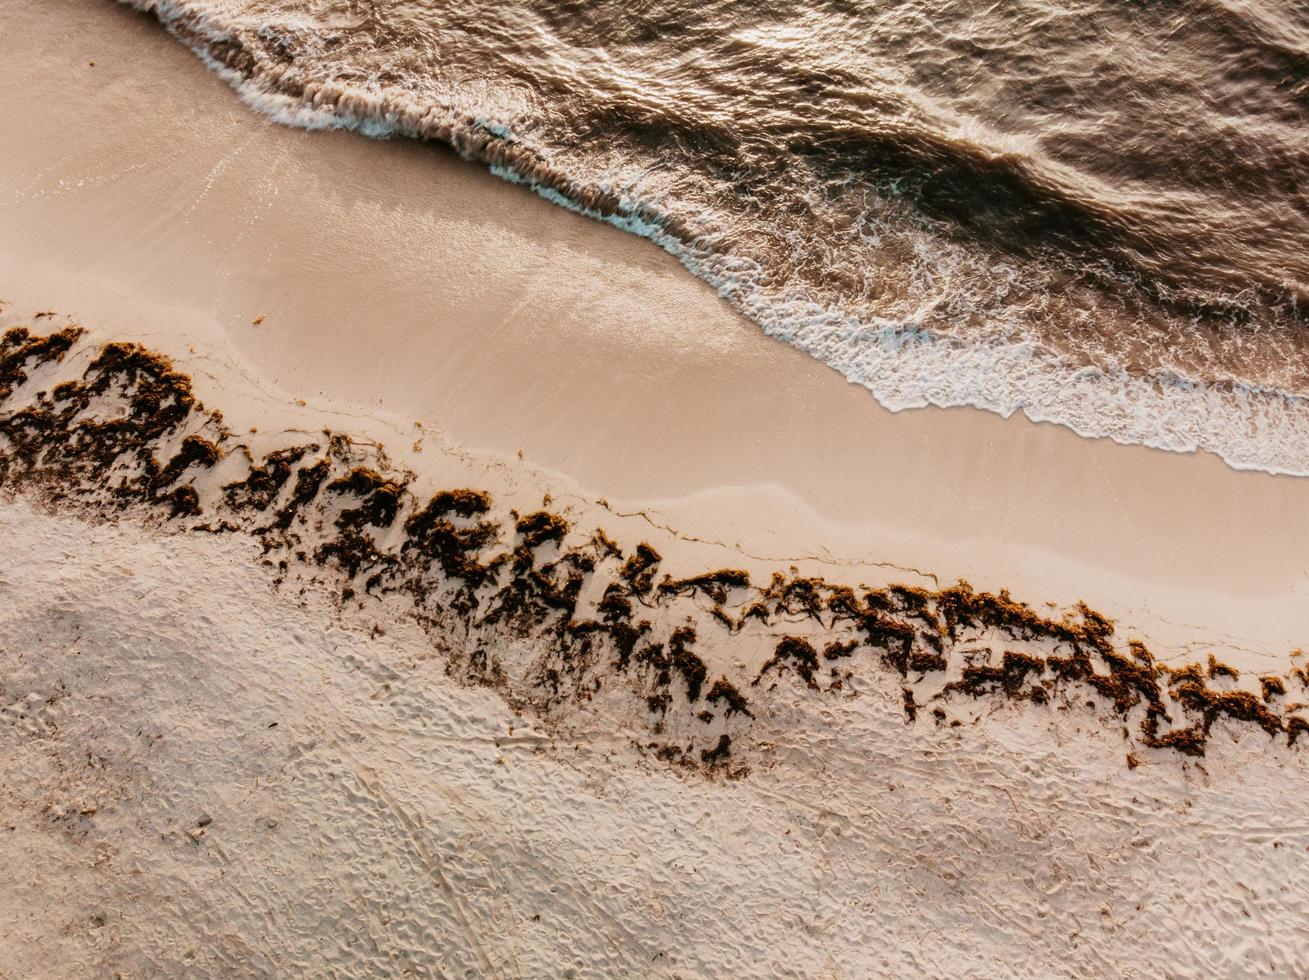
(402, 576)
(370, 817)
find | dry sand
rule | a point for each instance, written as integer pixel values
(398, 285)
(370, 818)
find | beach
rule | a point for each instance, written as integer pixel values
(477, 335)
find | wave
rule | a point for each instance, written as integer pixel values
(930, 268)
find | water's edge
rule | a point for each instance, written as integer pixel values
(901, 364)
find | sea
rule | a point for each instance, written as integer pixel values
(1093, 212)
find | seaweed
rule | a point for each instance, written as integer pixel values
(927, 663)
(842, 603)
(911, 598)
(675, 657)
(308, 481)
(839, 649)
(462, 503)
(1127, 682)
(624, 637)
(184, 502)
(605, 546)
(719, 753)
(910, 707)
(453, 548)
(1010, 676)
(916, 602)
(541, 527)
(194, 451)
(638, 571)
(264, 482)
(160, 397)
(94, 440)
(532, 595)
(720, 614)
(1190, 674)
(380, 498)
(1220, 669)
(18, 346)
(1239, 705)
(685, 662)
(964, 608)
(1188, 741)
(712, 584)
(894, 638)
(734, 701)
(797, 653)
(798, 595)
(1272, 687)
(614, 606)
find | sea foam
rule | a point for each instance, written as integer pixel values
(901, 361)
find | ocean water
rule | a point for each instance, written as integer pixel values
(1095, 213)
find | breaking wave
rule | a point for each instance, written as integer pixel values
(1095, 216)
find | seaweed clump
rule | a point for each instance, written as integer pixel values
(797, 653)
(676, 657)
(18, 347)
(264, 483)
(541, 527)
(1009, 676)
(432, 534)
(715, 585)
(379, 498)
(638, 571)
(724, 692)
(719, 753)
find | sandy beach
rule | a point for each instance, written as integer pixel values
(484, 337)
(396, 280)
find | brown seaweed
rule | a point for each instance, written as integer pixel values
(97, 439)
(797, 653)
(715, 585)
(724, 692)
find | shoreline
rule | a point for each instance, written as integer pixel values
(904, 365)
(404, 575)
(554, 612)
(506, 323)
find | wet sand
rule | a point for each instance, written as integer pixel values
(398, 284)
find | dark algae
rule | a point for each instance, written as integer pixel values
(118, 428)
(795, 653)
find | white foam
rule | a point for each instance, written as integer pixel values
(907, 367)
(903, 365)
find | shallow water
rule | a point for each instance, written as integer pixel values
(1097, 214)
